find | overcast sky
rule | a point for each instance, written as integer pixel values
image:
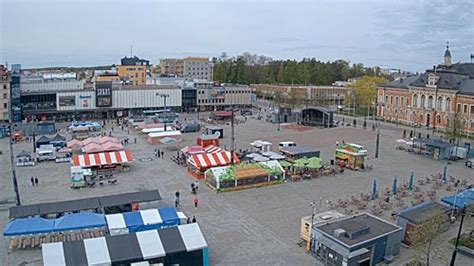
(408, 34)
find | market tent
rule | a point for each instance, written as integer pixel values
(105, 139)
(465, 198)
(58, 138)
(212, 149)
(192, 149)
(169, 216)
(133, 221)
(78, 221)
(273, 155)
(68, 206)
(125, 249)
(112, 146)
(127, 198)
(207, 160)
(314, 162)
(90, 140)
(260, 158)
(74, 142)
(284, 163)
(23, 153)
(116, 224)
(29, 226)
(93, 147)
(168, 140)
(43, 140)
(142, 220)
(102, 158)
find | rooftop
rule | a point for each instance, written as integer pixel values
(357, 229)
(422, 212)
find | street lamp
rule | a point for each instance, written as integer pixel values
(312, 204)
(164, 96)
(455, 251)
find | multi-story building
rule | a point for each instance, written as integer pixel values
(4, 94)
(190, 67)
(434, 99)
(133, 70)
(106, 75)
(219, 96)
(320, 95)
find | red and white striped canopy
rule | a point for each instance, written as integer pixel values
(212, 149)
(207, 160)
(102, 158)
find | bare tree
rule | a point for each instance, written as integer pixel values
(421, 236)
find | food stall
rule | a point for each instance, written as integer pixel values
(243, 176)
(206, 140)
(104, 162)
(155, 137)
(79, 176)
(215, 130)
(25, 159)
(297, 152)
(261, 146)
(63, 155)
(199, 163)
(351, 156)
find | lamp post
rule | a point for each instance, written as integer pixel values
(164, 96)
(312, 204)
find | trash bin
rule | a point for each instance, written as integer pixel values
(332, 162)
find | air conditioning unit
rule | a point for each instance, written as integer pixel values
(339, 232)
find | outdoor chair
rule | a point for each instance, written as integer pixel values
(13, 243)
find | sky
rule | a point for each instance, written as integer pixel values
(406, 34)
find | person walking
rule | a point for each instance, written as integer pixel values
(193, 189)
(194, 219)
(176, 203)
(176, 194)
(135, 140)
(32, 181)
(162, 154)
(196, 185)
(195, 202)
(36, 181)
(159, 153)
(188, 221)
(337, 143)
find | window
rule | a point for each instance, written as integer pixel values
(422, 104)
(448, 104)
(5, 105)
(465, 109)
(458, 109)
(396, 100)
(4, 96)
(472, 110)
(415, 101)
(391, 99)
(430, 101)
(386, 99)
(431, 80)
(407, 102)
(439, 103)
(438, 119)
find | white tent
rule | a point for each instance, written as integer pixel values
(116, 224)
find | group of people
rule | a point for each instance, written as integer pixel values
(158, 153)
(343, 142)
(34, 181)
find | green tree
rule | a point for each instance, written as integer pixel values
(422, 236)
(365, 90)
(454, 127)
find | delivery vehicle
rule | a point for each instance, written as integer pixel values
(191, 127)
(286, 144)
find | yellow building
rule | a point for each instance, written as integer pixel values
(111, 77)
(136, 75)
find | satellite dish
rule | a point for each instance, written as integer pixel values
(217, 133)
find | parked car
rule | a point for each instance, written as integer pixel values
(470, 162)
(193, 127)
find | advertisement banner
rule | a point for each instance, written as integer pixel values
(67, 100)
(103, 94)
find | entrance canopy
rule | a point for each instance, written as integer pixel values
(102, 158)
(126, 248)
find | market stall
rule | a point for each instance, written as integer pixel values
(25, 159)
(244, 176)
(351, 156)
(63, 155)
(155, 137)
(79, 176)
(199, 163)
(206, 140)
(293, 153)
(109, 161)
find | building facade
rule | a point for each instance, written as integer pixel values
(133, 75)
(434, 99)
(190, 67)
(5, 79)
(219, 96)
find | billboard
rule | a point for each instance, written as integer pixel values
(67, 100)
(103, 94)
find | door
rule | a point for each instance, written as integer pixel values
(428, 117)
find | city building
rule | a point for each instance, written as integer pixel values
(361, 239)
(434, 99)
(106, 75)
(190, 67)
(319, 95)
(5, 79)
(219, 96)
(133, 70)
(15, 93)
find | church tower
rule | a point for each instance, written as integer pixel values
(447, 56)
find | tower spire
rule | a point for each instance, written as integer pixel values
(447, 55)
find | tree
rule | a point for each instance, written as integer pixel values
(454, 127)
(365, 90)
(421, 236)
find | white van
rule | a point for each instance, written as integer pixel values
(286, 144)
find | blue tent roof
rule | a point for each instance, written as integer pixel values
(133, 220)
(28, 226)
(169, 216)
(465, 198)
(79, 221)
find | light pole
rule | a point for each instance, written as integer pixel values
(455, 251)
(164, 96)
(312, 204)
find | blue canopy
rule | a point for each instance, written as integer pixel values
(29, 226)
(465, 198)
(169, 216)
(79, 221)
(133, 220)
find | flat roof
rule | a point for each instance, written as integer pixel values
(422, 212)
(298, 150)
(364, 227)
(83, 204)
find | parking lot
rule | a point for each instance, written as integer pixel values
(256, 226)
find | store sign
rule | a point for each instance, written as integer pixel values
(67, 101)
(103, 94)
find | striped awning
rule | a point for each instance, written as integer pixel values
(207, 160)
(102, 158)
(124, 249)
(212, 149)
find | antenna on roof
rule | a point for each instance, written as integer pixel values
(131, 50)
(472, 57)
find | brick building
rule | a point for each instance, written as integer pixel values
(432, 98)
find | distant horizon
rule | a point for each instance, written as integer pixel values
(410, 35)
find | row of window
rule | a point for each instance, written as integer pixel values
(231, 92)
(465, 108)
(211, 101)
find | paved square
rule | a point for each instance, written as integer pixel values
(249, 227)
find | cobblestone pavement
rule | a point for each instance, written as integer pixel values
(248, 227)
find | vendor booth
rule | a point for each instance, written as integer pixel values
(79, 176)
(63, 155)
(155, 137)
(214, 130)
(206, 140)
(351, 156)
(24, 159)
(180, 245)
(128, 222)
(118, 159)
(242, 176)
(199, 163)
(261, 146)
(297, 152)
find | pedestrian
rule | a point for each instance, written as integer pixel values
(112, 129)
(36, 181)
(196, 185)
(176, 203)
(176, 194)
(135, 140)
(337, 143)
(162, 154)
(154, 153)
(188, 221)
(192, 187)
(194, 219)
(32, 181)
(158, 152)
(195, 202)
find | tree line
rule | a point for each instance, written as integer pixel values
(254, 69)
